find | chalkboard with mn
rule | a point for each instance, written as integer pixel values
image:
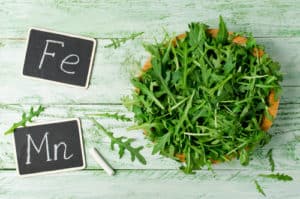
(49, 147)
(58, 57)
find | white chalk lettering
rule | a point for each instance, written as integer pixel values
(37, 149)
(56, 146)
(65, 61)
(45, 142)
(49, 53)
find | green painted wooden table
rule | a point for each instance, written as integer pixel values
(274, 23)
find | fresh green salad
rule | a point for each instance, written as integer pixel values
(204, 97)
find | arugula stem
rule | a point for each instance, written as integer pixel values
(237, 148)
(222, 83)
(184, 116)
(175, 58)
(185, 54)
(178, 104)
(116, 116)
(163, 83)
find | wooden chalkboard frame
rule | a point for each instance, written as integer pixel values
(69, 35)
(59, 170)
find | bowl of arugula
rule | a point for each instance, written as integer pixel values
(206, 96)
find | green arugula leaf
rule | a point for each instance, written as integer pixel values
(145, 90)
(116, 42)
(197, 34)
(244, 157)
(259, 188)
(222, 36)
(161, 143)
(271, 161)
(26, 117)
(277, 176)
(116, 116)
(123, 143)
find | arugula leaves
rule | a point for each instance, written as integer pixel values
(116, 43)
(271, 161)
(115, 116)
(204, 97)
(277, 176)
(259, 188)
(26, 117)
(222, 36)
(161, 143)
(123, 143)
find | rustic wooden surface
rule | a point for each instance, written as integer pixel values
(275, 23)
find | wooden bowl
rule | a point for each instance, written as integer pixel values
(240, 40)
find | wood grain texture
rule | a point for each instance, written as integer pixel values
(147, 184)
(104, 19)
(111, 73)
(285, 143)
(274, 22)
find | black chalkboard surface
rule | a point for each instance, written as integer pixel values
(48, 148)
(59, 57)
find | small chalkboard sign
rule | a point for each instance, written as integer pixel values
(58, 57)
(49, 147)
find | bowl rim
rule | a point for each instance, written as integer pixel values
(272, 101)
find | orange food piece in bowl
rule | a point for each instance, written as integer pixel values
(180, 156)
(239, 40)
(273, 108)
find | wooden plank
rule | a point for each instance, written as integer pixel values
(111, 74)
(275, 22)
(104, 19)
(109, 80)
(286, 140)
(146, 184)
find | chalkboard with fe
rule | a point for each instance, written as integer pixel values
(49, 147)
(58, 57)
